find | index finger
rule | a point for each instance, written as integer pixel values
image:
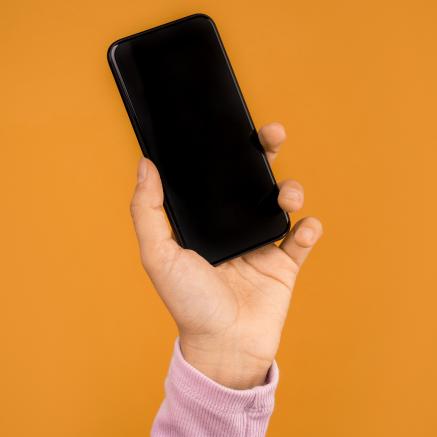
(271, 136)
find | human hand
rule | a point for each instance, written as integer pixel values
(229, 317)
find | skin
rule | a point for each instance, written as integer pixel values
(229, 317)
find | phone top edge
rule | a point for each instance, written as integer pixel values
(113, 46)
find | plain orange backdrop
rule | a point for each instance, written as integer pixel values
(85, 341)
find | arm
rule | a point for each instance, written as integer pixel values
(229, 317)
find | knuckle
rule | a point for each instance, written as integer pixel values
(135, 207)
(136, 201)
(293, 184)
(315, 223)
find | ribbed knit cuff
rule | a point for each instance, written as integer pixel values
(185, 378)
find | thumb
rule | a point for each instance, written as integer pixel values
(157, 245)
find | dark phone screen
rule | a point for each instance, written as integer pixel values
(192, 122)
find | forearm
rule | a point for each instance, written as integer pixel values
(197, 406)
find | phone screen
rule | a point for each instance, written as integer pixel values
(191, 121)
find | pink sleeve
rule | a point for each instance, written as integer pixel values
(197, 406)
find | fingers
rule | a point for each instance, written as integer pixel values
(299, 242)
(290, 196)
(271, 136)
(156, 243)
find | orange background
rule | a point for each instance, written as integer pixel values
(85, 341)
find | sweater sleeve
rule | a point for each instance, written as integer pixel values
(196, 406)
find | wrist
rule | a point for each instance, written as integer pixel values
(225, 361)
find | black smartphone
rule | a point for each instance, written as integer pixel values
(191, 120)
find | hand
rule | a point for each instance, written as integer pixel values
(229, 317)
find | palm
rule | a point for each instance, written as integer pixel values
(207, 300)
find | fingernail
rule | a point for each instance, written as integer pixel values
(142, 170)
(293, 195)
(306, 235)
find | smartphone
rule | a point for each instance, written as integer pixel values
(191, 120)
